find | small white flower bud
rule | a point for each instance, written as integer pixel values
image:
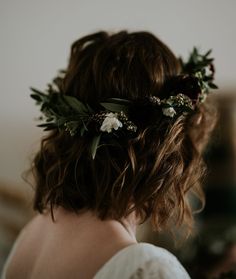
(169, 111)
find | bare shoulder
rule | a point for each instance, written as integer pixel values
(29, 233)
(65, 248)
(25, 247)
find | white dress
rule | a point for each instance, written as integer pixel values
(142, 261)
(138, 261)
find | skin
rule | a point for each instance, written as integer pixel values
(75, 246)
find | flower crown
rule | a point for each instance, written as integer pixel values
(186, 92)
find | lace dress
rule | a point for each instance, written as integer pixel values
(142, 261)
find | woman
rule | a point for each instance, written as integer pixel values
(128, 125)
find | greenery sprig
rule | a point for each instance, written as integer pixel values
(201, 67)
(67, 113)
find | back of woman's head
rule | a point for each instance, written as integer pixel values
(151, 172)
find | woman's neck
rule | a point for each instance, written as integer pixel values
(88, 222)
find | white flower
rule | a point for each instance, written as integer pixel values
(169, 101)
(169, 111)
(208, 71)
(110, 122)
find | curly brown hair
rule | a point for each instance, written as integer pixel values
(150, 173)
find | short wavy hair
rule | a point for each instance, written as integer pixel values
(151, 173)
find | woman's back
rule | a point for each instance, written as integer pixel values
(84, 247)
(73, 247)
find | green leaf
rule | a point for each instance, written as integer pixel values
(94, 145)
(37, 91)
(82, 131)
(212, 85)
(61, 121)
(47, 126)
(115, 107)
(89, 108)
(76, 104)
(119, 101)
(208, 52)
(50, 119)
(84, 126)
(36, 97)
